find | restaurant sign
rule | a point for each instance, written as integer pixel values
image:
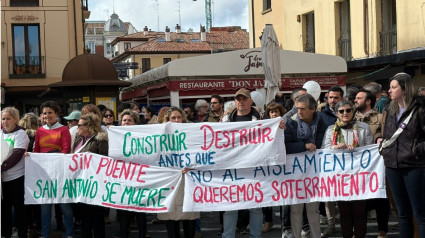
(222, 84)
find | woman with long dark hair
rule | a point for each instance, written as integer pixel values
(403, 149)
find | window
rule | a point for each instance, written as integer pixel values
(24, 3)
(166, 60)
(146, 64)
(308, 32)
(108, 48)
(99, 31)
(26, 49)
(92, 47)
(160, 40)
(344, 28)
(180, 40)
(90, 31)
(267, 4)
(127, 46)
(388, 35)
(195, 40)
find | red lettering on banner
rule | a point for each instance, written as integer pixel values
(343, 185)
(298, 189)
(121, 169)
(274, 186)
(374, 176)
(233, 193)
(220, 139)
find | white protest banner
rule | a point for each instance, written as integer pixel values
(99, 180)
(324, 175)
(200, 145)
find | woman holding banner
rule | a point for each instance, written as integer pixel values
(176, 213)
(53, 137)
(347, 133)
(91, 138)
(273, 110)
(130, 117)
(403, 149)
(14, 144)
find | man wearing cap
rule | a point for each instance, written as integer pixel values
(244, 112)
(73, 118)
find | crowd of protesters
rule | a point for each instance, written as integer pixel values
(363, 116)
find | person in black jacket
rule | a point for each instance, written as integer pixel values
(405, 158)
(305, 133)
(328, 114)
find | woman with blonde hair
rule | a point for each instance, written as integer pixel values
(175, 213)
(91, 138)
(12, 173)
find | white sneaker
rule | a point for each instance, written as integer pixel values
(305, 234)
(287, 234)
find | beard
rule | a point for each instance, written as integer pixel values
(361, 107)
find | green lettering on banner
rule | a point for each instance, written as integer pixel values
(49, 189)
(148, 144)
(160, 196)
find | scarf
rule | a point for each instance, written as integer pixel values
(307, 131)
(338, 137)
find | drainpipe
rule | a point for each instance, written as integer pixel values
(365, 27)
(253, 24)
(75, 29)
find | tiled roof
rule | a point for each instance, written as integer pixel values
(180, 42)
(139, 36)
(189, 42)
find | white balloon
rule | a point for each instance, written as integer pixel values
(313, 88)
(258, 99)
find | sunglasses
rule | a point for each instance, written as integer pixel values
(348, 110)
(108, 115)
(81, 125)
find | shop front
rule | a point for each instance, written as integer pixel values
(186, 80)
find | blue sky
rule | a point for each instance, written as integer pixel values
(144, 13)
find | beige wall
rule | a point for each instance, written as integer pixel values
(57, 38)
(283, 16)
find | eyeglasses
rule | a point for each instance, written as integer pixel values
(81, 125)
(214, 102)
(108, 115)
(348, 110)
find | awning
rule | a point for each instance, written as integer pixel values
(241, 64)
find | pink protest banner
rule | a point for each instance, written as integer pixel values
(99, 180)
(326, 175)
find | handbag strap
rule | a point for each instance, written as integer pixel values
(400, 129)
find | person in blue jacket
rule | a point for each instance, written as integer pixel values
(305, 132)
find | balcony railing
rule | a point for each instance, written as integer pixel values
(345, 49)
(388, 40)
(22, 67)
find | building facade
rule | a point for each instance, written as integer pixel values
(100, 34)
(377, 38)
(150, 49)
(38, 38)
